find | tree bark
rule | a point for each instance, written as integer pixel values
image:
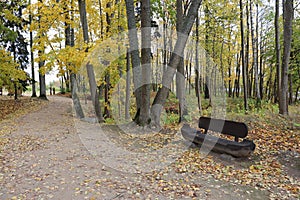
(75, 98)
(31, 56)
(42, 77)
(144, 117)
(290, 89)
(134, 51)
(127, 100)
(244, 68)
(237, 79)
(246, 52)
(277, 49)
(261, 62)
(207, 84)
(197, 67)
(288, 13)
(106, 96)
(254, 54)
(180, 91)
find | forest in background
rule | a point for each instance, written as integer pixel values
(235, 49)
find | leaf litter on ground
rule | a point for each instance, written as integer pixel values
(265, 170)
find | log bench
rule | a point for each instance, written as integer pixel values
(220, 145)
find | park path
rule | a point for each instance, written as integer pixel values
(44, 158)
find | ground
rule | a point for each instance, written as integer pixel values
(45, 153)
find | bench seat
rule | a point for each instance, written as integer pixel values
(220, 145)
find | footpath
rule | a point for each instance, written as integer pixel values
(44, 157)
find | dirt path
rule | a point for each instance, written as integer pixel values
(44, 158)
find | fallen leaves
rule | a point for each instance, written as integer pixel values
(263, 171)
(11, 108)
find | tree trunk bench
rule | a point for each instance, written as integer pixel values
(220, 145)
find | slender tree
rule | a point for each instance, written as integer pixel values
(255, 56)
(31, 55)
(89, 67)
(180, 80)
(288, 13)
(197, 67)
(244, 69)
(41, 51)
(277, 49)
(127, 100)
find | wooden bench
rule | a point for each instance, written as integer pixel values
(232, 128)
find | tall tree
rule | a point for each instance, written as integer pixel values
(144, 117)
(70, 42)
(277, 49)
(41, 63)
(244, 68)
(207, 92)
(89, 67)
(254, 55)
(33, 82)
(180, 79)
(134, 52)
(197, 67)
(288, 13)
(163, 92)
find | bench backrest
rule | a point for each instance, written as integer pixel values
(237, 129)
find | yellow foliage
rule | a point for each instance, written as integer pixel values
(8, 69)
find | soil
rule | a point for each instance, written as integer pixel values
(44, 156)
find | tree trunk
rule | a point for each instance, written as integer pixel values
(254, 53)
(180, 90)
(258, 93)
(277, 49)
(101, 20)
(244, 68)
(288, 13)
(290, 89)
(76, 101)
(162, 93)
(15, 91)
(89, 68)
(237, 79)
(127, 100)
(207, 66)
(41, 64)
(261, 65)
(70, 41)
(134, 51)
(296, 94)
(94, 92)
(144, 117)
(31, 56)
(197, 67)
(229, 67)
(42, 79)
(15, 81)
(246, 52)
(106, 96)
(190, 74)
